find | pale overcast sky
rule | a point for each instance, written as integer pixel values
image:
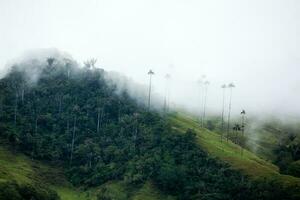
(254, 43)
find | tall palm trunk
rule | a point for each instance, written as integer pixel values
(22, 93)
(119, 111)
(60, 104)
(222, 120)
(167, 94)
(201, 104)
(36, 124)
(165, 102)
(16, 110)
(68, 126)
(204, 105)
(73, 140)
(149, 95)
(98, 120)
(243, 132)
(229, 112)
(101, 117)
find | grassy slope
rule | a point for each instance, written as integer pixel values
(120, 191)
(18, 167)
(249, 163)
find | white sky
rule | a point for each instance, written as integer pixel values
(254, 43)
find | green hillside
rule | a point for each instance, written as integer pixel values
(74, 133)
(248, 163)
(17, 167)
(265, 143)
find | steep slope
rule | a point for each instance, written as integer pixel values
(248, 163)
(109, 143)
(18, 168)
(265, 144)
(23, 170)
(277, 141)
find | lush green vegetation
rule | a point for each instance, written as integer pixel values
(274, 140)
(23, 178)
(248, 163)
(17, 169)
(103, 138)
(288, 154)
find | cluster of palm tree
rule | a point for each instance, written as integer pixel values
(203, 83)
(230, 87)
(150, 73)
(237, 128)
(167, 91)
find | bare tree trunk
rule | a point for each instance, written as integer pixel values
(223, 106)
(149, 95)
(68, 126)
(204, 105)
(22, 94)
(101, 117)
(166, 97)
(119, 112)
(36, 124)
(135, 137)
(203, 97)
(73, 140)
(229, 111)
(60, 104)
(201, 104)
(16, 110)
(243, 133)
(98, 120)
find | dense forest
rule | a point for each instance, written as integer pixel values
(56, 111)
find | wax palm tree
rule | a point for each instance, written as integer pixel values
(243, 113)
(230, 86)
(150, 73)
(223, 107)
(236, 128)
(167, 93)
(201, 82)
(206, 83)
(76, 112)
(90, 63)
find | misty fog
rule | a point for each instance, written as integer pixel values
(251, 43)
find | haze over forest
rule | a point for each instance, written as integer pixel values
(251, 43)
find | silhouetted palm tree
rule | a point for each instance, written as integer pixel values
(150, 73)
(201, 86)
(243, 113)
(167, 93)
(236, 128)
(230, 86)
(90, 63)
(200, 82)
(223, 106)
(206, 83)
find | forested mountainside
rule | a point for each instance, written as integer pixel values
(55, 111)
